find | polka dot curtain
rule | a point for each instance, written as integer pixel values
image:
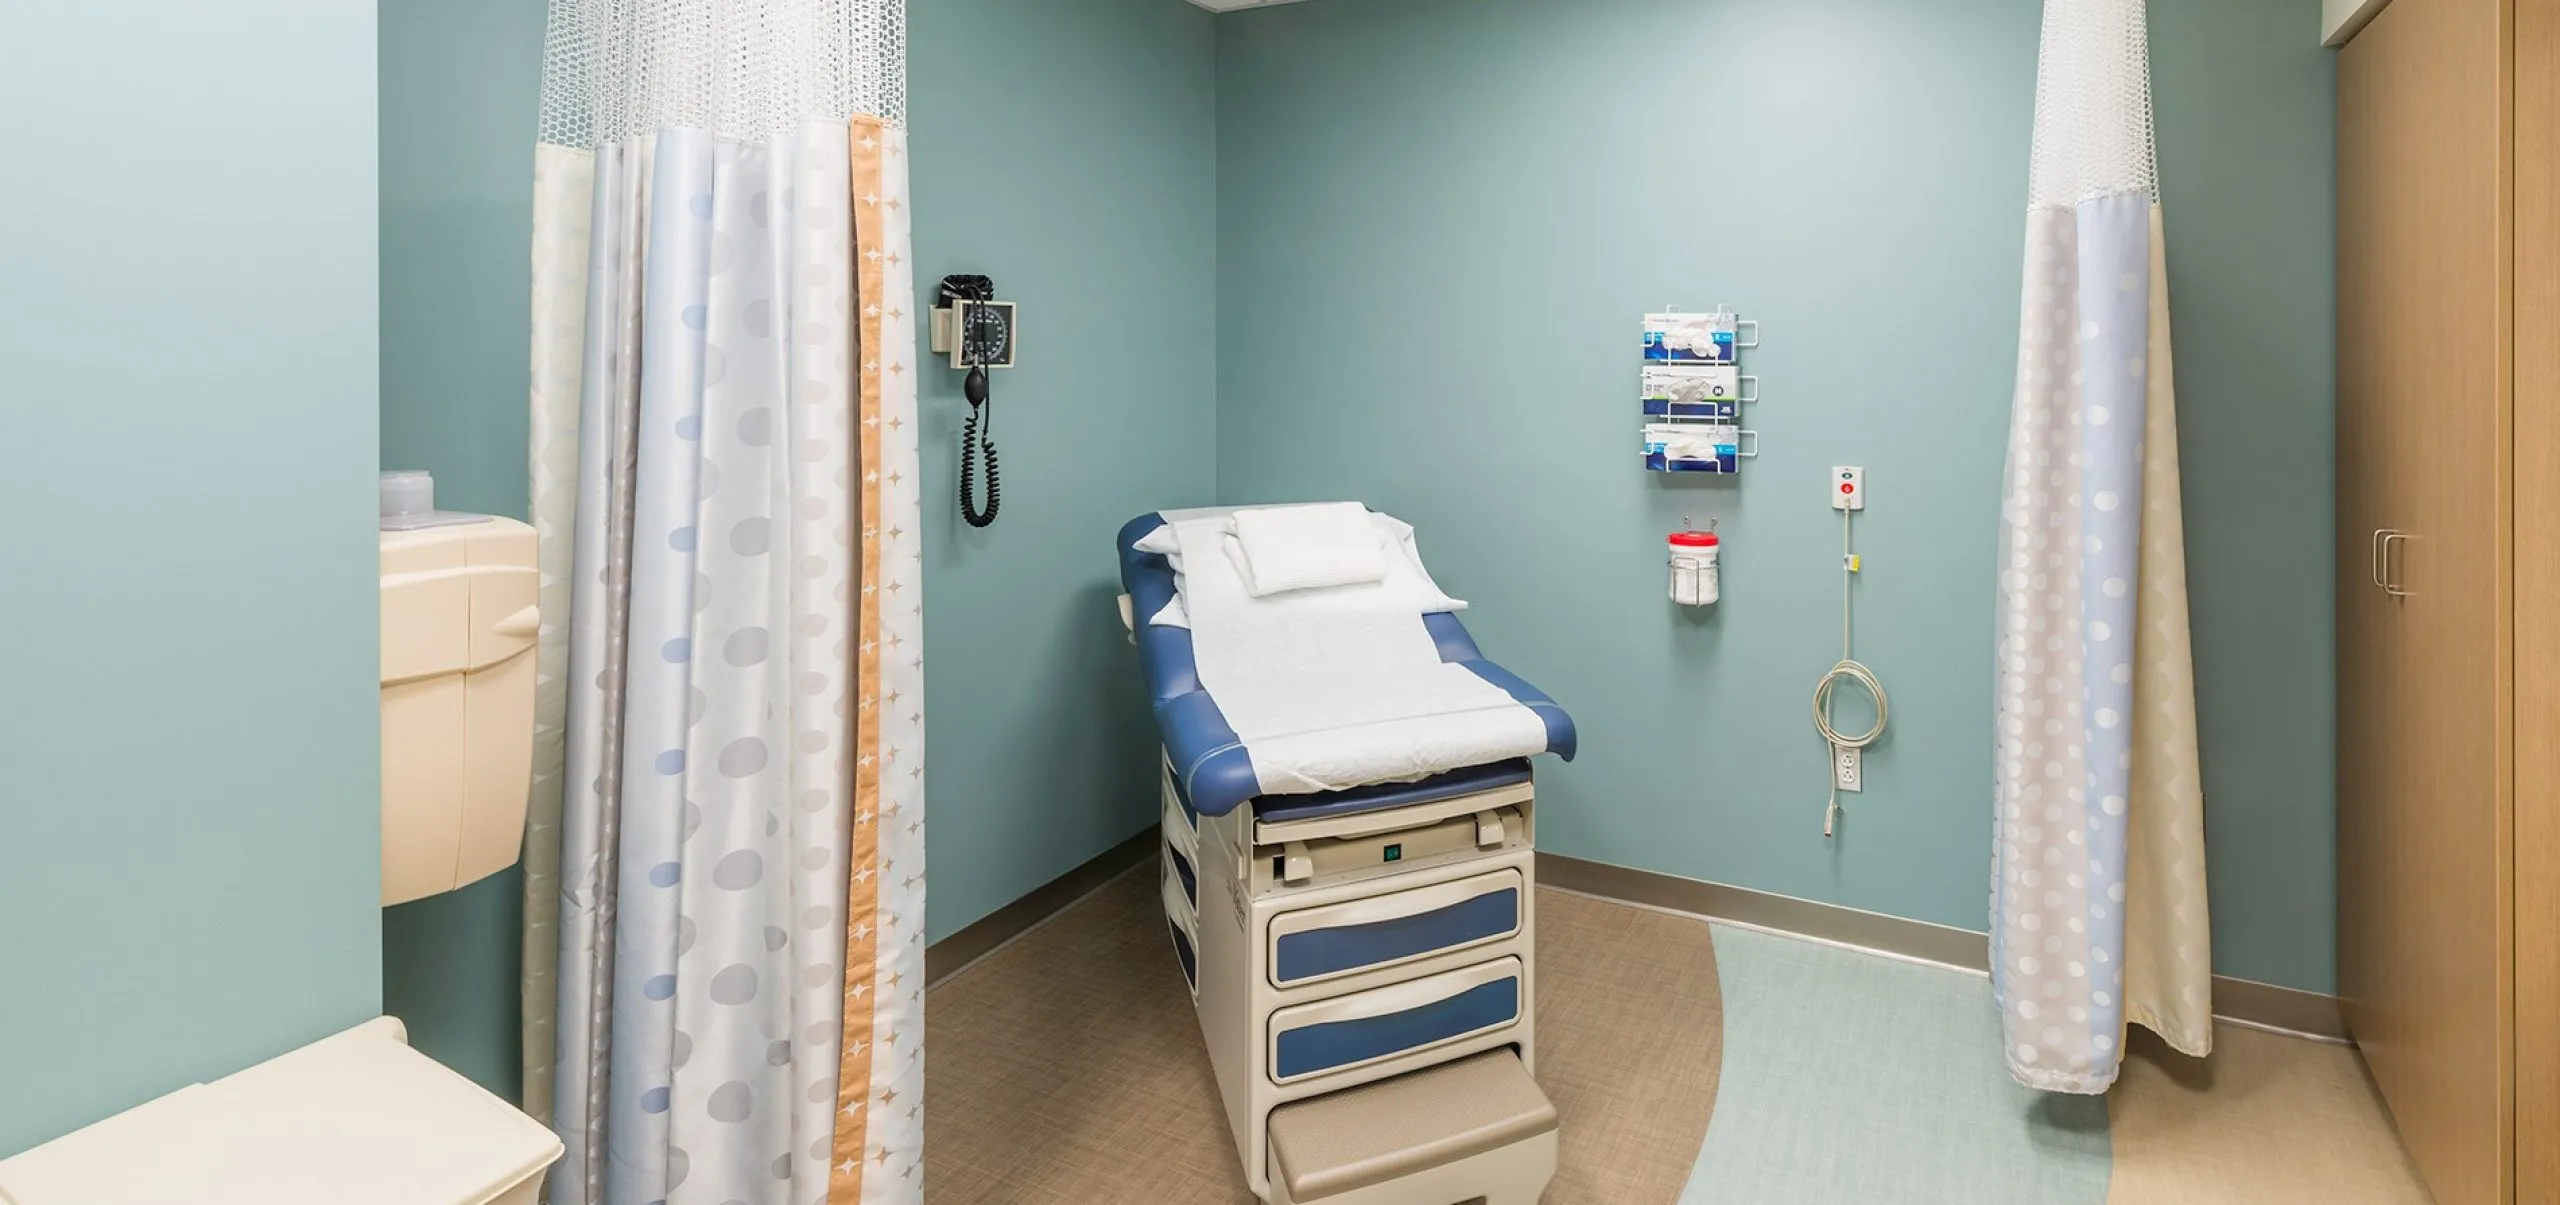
(724, 937)
(2098, 916)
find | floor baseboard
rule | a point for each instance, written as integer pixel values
(2239, 1001)
(989, 933)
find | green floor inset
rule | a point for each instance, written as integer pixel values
(1853, 1078)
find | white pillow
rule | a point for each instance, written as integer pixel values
(1405, 575)
(1278, 549)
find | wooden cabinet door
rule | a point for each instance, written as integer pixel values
(2374, 501)
(2536, 405)
(2425, 966)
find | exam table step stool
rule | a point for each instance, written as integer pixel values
(1477, 1129)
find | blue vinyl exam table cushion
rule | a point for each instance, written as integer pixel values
(1212, 773)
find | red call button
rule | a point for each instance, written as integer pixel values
(1847, 488)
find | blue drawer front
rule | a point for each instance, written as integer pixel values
(1315, 952)
(1182, 950)
(1182, 868)
(1314, 1048)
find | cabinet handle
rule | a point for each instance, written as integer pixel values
(2386, 568)
(2373, 556)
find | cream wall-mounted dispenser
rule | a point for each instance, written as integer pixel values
(458, 624)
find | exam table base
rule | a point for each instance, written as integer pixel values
(1332, 954)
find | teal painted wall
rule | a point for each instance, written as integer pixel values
(2249, 169)
(1069, 151)
(460, 84)
(189, 832)
(1439, 221)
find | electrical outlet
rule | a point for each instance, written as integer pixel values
(1846, 773)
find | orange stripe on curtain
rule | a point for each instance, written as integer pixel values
(862, 901)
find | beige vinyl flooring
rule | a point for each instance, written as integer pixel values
(1066, 1067)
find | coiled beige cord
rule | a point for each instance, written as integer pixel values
(1850, 669)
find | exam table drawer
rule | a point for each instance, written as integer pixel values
(1182, 950)
(1383, 1023)
(1182, 869)
(1184, 920)
(1179, 832)
(1316, 944)
(1178, 902)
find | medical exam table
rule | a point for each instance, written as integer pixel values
(1361, 955)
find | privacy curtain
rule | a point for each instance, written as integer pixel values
(725, 904)
(2098, 884)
